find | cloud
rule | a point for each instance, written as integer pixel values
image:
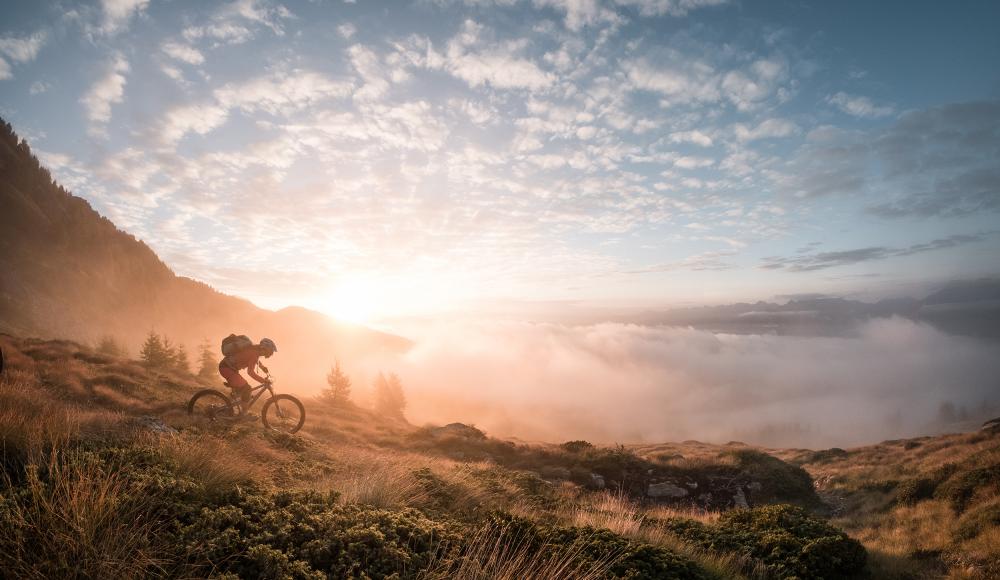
(39, 87)
(23, 49)
(478, 62)
(582, 13)
(346, 30)
(221, 33)
(933, 162)
(200, 119)
(694, 137)
(263, 12)
(669, 7)
(747, 89)
(705, 261)
(767, 129)
(19, 50)
(858, 106)
(117, 14)
(229, 23)
(692, 81)
(183, 52)
(108, 90)
(685, 82)
(824, 260)
(279, 94)
(629, 383)
(689, 162)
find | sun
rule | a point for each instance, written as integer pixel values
(351, 301)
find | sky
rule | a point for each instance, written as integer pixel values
(386, 159)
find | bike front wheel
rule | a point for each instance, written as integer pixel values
(211, 405)
(283, 413)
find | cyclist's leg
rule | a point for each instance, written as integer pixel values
(237, 383)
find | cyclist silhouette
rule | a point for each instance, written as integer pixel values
(248, 358)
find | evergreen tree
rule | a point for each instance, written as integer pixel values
(180, 359)
(110, 347)
(339, 391)
(389, 398)
(155, 352)
(207, 364)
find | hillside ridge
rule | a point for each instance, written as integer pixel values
(69, 272)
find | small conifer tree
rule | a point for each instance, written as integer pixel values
(155, 352)
(339, 390)
(389, 398)
(180, 359)
(110, 347)
(207, 364)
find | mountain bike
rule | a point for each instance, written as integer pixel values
(282, 413)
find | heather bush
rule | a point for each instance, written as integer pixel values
(785, 539)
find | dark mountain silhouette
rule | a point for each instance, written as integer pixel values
(965, 307)
(67, 272)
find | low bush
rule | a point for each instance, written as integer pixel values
(827, 455)
(780, 481)
(576, 446)
(306, 534)
(974, 523)
(916, 489)
(785, 539)
(961, 487)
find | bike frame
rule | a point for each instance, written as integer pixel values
(256, 393)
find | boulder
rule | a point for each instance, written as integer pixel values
(740, 499)
(666, 489)
(155, 424)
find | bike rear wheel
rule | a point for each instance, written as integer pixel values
(211, 405)
(283, 413)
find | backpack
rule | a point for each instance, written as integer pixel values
(235, 343)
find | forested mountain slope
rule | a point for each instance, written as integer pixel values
(68, 272)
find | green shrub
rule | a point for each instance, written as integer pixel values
(961, 487)
(827, 455)
(576, 446)
(975, 522)
(880, 485)
(780, 481)
(306, 534)
(913, 490)
(785, 539)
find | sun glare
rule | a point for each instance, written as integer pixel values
(352, 301)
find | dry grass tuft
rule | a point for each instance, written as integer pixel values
(498, 553)
(217, 464)
(74, 515)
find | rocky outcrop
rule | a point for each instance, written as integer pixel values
(666, 489)
(154, 425)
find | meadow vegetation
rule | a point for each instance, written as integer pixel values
(105, 476)
(927, 507)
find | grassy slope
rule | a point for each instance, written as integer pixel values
(90, 490)
(924, 508)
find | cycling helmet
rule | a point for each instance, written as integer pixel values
(269, 344)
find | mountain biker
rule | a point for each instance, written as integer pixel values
(248, 358)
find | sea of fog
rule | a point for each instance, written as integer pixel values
(631, 383)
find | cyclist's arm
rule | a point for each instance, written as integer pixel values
(253, 375)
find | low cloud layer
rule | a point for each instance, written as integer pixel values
(629, 383)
